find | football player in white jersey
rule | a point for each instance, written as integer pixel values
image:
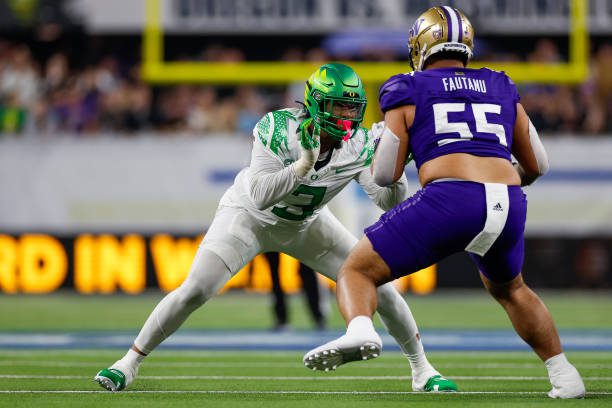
(301, 159)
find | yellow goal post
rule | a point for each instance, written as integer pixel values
(157, 71)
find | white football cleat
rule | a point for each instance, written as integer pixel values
(567, 385)
(117, 377)
(343, 350)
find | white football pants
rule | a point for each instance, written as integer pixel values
(235, 238)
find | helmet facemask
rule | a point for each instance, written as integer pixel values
(335, 99)
(340, 117)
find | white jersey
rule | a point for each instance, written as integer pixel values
(270, 190)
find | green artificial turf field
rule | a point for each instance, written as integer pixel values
(51, 377)
(275, 379)
(460, 309)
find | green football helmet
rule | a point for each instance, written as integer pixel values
(331, 92)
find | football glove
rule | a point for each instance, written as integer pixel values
(310, 146)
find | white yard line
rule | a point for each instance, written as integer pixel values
(290, 378)
(182, 364)
(297, 364)
(291, 392)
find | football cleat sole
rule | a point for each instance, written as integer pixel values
(329, 357)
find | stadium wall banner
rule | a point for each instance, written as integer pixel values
(38, 263)
(148, 184)
(105, 264)
(322, 16)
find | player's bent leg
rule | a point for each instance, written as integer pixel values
(399, 322)
(528, 314)
(358, 279)
(208, 274)
(534, 324)
(394, 312)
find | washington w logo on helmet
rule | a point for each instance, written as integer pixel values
(415, 27)
(440, 30)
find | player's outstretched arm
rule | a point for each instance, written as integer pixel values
(392, 150)
(384, 197)
(528, 149)
(390, 195)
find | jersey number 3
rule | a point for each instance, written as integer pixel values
(479, 110)
(315, 195)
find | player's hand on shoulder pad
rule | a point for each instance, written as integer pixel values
(310, 145)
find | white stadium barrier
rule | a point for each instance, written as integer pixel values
(150, 184)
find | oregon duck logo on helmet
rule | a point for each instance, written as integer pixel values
(331, 92)
(440, 29)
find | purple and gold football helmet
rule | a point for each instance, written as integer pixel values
(440, 29)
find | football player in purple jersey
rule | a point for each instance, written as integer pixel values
(461, 126)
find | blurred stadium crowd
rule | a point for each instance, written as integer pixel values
(46, 95)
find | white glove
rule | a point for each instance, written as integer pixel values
(310, 146)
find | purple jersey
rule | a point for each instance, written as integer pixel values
(458, 110)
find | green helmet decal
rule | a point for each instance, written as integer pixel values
(335, 99)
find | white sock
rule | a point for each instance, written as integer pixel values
(360, 326)
(129, 365)
(133, 358)
(420, 365)
(414, 352)
(564, 378)
(557, 364)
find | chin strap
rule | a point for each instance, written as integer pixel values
(421, 58)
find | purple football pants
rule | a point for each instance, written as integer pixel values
(442, 218)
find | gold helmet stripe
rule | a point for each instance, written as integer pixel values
(453, 21)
